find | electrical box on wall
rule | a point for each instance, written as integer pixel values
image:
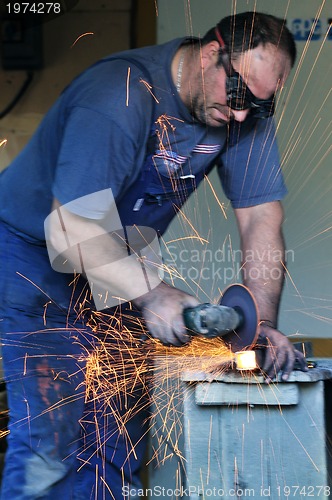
(21, 43)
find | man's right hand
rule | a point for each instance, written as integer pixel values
(162, 309)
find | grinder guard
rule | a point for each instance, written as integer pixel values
(235, 318)
(241, 299)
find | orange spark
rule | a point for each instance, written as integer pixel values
(81, 36)
(221, 205)
(128, 77)
(291, 280)
(149, 88)
(199, 238)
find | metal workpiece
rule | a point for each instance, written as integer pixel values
(230, 435)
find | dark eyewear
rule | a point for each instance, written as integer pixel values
(239, 96)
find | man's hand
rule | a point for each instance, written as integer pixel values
(162, 310)
(278, 354)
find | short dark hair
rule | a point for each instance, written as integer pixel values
(247, 30)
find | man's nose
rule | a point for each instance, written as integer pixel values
(240, 116)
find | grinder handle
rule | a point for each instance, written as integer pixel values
(211, 320)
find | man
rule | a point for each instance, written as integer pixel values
(125, 145)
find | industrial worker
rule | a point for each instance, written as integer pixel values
(129, 140)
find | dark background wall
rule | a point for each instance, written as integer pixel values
(70, 42)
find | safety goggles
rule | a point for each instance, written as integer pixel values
(239, 96)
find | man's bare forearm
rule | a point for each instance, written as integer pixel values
(264, 275)
(263, 272)
(263, 262)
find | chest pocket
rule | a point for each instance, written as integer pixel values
(164, 185)
(167, 176)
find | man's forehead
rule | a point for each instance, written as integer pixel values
(264, 68)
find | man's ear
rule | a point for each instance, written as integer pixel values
(209, 52)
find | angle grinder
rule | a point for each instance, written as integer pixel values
(235, 319)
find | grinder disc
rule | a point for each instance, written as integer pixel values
(241, 299)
